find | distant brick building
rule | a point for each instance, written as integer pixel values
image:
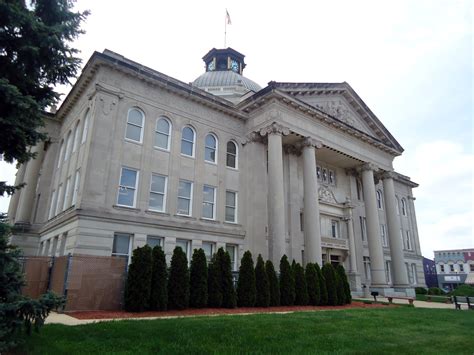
(454, 267)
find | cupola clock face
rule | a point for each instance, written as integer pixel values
(234, 65)
(211, 66)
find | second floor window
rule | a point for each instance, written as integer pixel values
(134, 130)
(210, 152)
(404, 207)
(185, 193)
(379, 199)
(127, 187)
(231, 159)
(209, 202)
(231, 206)
(157, 193)
(162, 133)
(187, 142)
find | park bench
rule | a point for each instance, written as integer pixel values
(409, 299)
(459, 300)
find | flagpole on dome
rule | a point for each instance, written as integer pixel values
(226, 22)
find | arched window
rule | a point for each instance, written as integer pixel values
(187, 141)
(135, 120)
(404, 207)
(76, 137)
(85, 128)
(398, 204)
(231, 160)
(379, 199)
(210, 150)
(61, 150)
(359, 189)
(162, 133)
(68, 146)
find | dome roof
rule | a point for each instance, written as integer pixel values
(225, 78)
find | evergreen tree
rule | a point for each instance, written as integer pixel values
(178, 282)
(273, 283)
(347, 288)
(227, 283)
(287, 283)
(246, 288)
(18, 313)
(341, 297)
(214, 288)
(262, 284)
(35, 57)
(301, 289)
(312, 281)
(330, 278)
(198, 281)
(159, 281)
(138, 285)
(322, 286)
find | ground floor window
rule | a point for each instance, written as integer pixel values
(184, 245)
(209, 249)
(335, 260)
(122, 244)
(388, 271)
(154, 241)
(232, 250)
(367, 268)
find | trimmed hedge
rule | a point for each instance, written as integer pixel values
(178, 283)
(262, 284)
(301, 288)
(273, 283)
(246, 287)
(331, 283)
(198, 280)
(287, 283)
(322, 286)
(312, 282)
(435, 291)
(421, 291)
(345, 283)
(138, 285)
(159, 281)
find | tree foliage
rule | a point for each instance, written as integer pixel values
(246, 287)
(159, 281)
(198, 279)
(273, 283)
(345, 283)
(262, 284)
(214, 288)
(35, 56)
(322, 286)
(178, 282)
(301, 288)
(138, 285)
(227, 284)
(330, 278)
(312, 282)
(287, 283)
(18, 313)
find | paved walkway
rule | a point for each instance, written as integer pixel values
(417, 304)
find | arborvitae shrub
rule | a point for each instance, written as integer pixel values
(330, 278)
(273, 284)
(312, 282)
(198, 280)
(214, 288)
(421, 291)
(159, 281)
(301, 289)
(287, 283)
(262, 284)
(345, 283)
(138, 286)
(227, 284)
(341, 297)
(246, 288)
(323, 301)
(178, 283)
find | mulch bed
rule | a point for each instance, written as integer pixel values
(214, 311)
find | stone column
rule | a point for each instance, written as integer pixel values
(277, 228)
(377, 265)
(27, 196)
(400, 278)
(12, 207)
(312, 225)
(350, 232)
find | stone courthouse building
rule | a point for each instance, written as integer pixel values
(302, 169)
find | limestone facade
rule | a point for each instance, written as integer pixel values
(304, 170)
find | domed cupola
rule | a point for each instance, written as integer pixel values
(223, 76)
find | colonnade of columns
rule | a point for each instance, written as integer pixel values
(312, 228)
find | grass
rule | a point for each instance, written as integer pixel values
(432, 298)
(400, 330)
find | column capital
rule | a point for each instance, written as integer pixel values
(311, 142)
(253, 137)
(367, 167)
(274, 128)
(387, 175)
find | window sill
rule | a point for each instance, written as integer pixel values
(133, 142)
(184, 216)
(231, 168)
(161, 149)
(213, 163)
(187, 156)
(209, 220)
(233, 224)
(159, 213)
(126, 208)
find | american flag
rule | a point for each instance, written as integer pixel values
(227, 17)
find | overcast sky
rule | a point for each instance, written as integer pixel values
(410, 61)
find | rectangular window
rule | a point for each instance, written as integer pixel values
(231, 206)
(367, 267)
(451, 268)
(408, 240)
(121, 246)
(413, 271)
(335, 229)
(332, 177)
(153, 241)
(58, 199)
(388, 272)
(52, 205)
(471, 267)
(302, 221)
(410, 276)
(77, 182)
(441, 268)
(461, 267)
(383, 234)
(67, 193)
(363, 227)
(318, 172)
(158, 193)
(185, 193)
(184, 245)
(208, 202)
(325, 175)
(232, 250)
(127, 187)
(208, 250)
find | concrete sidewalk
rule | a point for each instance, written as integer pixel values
(417, 304)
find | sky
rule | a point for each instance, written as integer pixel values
(410, 61)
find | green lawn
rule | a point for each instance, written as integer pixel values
(400, 330)
(432, 298)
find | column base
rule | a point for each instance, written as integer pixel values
(354, 282)
(383, 290)
(394, 291)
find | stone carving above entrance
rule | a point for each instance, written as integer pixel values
(326, 195)
(338, 109)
